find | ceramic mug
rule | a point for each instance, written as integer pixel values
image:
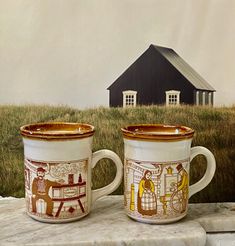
(58, 162)
(156, 171)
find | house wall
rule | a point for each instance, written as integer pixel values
(151, 76)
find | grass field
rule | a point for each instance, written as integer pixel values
(214, 128)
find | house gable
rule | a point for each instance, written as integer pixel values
(184, 68)
(154, 73)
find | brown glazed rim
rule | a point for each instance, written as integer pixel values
(57, 131)
(157, 132)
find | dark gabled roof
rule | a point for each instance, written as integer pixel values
(184, 68)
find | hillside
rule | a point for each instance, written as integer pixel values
(214, 129)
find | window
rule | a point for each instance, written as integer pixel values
(129, 98)
(172, 97)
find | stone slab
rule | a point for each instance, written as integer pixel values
(213, 217)
(220, 239)
(107, 224)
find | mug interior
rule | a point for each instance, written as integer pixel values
(157, 132)
(57, 130)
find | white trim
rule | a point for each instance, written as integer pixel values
(129, 98)
(210, 98)
(197, 97)
(203, 98)
(171, 96)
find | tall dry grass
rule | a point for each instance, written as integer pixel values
(214, 129)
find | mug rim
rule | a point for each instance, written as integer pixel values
(57, 130)
(157, 132)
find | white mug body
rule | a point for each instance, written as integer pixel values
(58, 160)
(57, 179)
(156, 171)
(156, 175)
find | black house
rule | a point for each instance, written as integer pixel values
(160, 76)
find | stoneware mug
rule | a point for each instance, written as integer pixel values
(58, 162)
(156, 172)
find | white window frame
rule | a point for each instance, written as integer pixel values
(171, 93)
(126, 101)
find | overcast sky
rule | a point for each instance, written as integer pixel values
(70, 51)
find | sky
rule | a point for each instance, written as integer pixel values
(69, 52)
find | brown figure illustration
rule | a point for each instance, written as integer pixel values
(182, 186)
(40, 189)
(146, 202)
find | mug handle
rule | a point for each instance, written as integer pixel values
(210, 170)
(105, 153)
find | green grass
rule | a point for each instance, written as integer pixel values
(214, 129)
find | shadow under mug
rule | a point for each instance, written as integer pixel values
(58, 161)
(156, 171)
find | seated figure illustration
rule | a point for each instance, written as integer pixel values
(40, 190)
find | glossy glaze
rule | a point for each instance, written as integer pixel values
(157, 132)
(57, 131)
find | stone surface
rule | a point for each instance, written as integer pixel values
(213, 217)
(107, 224)
(220, 239)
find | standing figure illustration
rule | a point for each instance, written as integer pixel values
(147, 202)
(182, 186)
(40, 190)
